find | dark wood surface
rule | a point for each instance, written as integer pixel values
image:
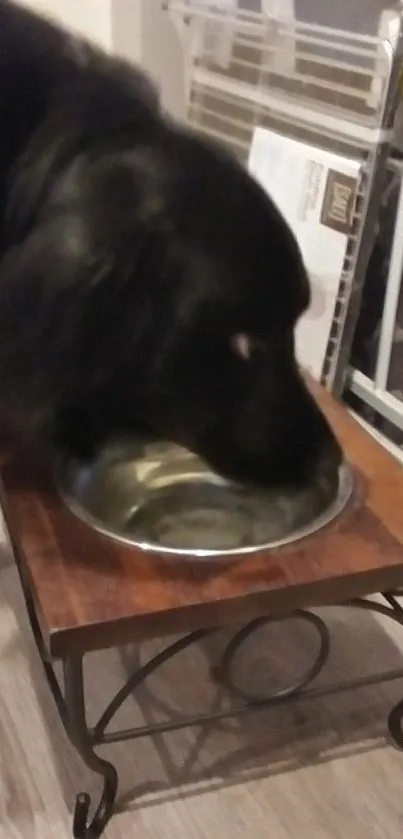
(91, 592)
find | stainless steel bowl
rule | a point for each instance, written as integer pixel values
(159, 497)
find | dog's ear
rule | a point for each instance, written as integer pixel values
(43, 299)
(74, 312)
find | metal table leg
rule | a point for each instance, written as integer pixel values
(80, 736)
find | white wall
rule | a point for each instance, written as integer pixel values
(89, 17)
(144, 33)
(138, 30)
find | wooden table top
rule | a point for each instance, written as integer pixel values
(91, 592)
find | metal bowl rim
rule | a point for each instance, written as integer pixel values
(346, 485)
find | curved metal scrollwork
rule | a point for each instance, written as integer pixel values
(83, 828)
(394, 611)
(224, 673)
(81, 737)
(142, 673)
(395, 722)
(85, 739)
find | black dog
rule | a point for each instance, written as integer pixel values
(146, 281)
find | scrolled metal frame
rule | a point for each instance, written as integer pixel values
(70, 699)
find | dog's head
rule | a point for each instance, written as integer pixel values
(219, 289)
(145, 279)
(161, 287)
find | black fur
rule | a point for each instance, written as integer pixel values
(131, 252)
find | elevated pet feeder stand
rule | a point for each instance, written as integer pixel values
(137, 596)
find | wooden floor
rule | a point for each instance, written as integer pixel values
(320, 771)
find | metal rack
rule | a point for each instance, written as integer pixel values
(374, 391)
(328, 87)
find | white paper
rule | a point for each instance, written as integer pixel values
(302, 180)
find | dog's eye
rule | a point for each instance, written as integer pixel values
(246, 347)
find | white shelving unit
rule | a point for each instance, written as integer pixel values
(325, 85)
(375, 391)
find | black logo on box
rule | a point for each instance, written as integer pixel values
(338, 201)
